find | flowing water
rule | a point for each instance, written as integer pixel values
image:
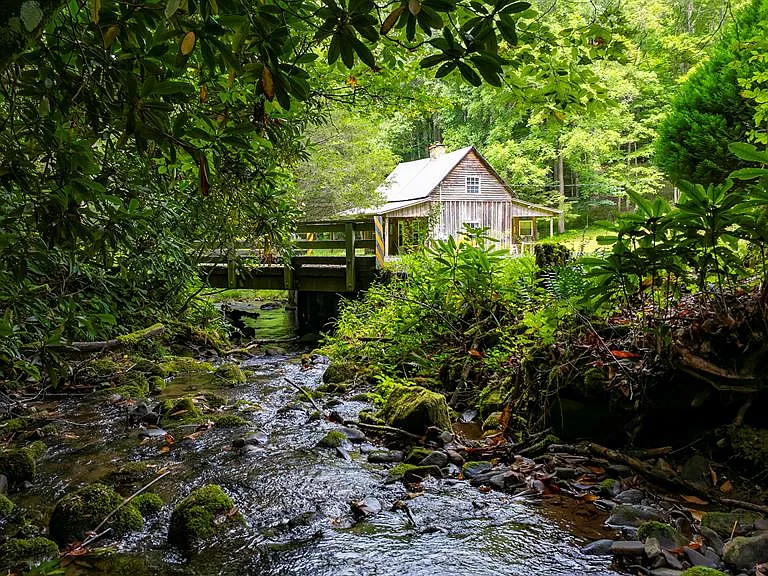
(295, 498)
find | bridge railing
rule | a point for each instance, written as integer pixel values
(341, 238)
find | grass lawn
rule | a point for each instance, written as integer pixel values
(580, 241)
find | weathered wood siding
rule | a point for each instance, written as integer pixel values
(454, 186)
(417, 211)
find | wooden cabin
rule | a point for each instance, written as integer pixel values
(453, 189)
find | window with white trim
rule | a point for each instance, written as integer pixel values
(473, 184)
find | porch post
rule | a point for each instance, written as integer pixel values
(561, 223)
(535, 229)
(551, 227)
(386, 236)
(378, 225)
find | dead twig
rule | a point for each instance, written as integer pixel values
(303, 391)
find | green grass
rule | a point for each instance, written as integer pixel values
(580, 241)
(244, 295)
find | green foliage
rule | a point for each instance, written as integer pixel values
(711, 109)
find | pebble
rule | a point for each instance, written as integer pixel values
(628, 548)
(152, 433)
(672, 560)
(598, 548)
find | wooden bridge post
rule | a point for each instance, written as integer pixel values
(378, 225)
(349, 237)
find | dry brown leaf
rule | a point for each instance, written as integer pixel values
(596, 470)
(696, 514)
(726, 487)
(590, 497)
(188, 43)
(694, 500)
(713, 475)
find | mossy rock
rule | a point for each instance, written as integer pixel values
(18, 465)
(12, 426)
(723, 522)
(103, 367)
(127, 474)
(230, 421)
(751, 444)
(335, 388)
(492, 421)
(116, 564)
(338, 372)
(36, 449)
(489, 402)
(29, 551)
(609, 488)
(664, 533)
(702, 571)
(474, 467)
(157, 384)
(214, 400)
(130, 385)
(417, 454)
(368, 417)
(413, 472)
(148, 503)
(195, 518)
(415, 409)
(230, 373)
(180, 410)
(332, 439)
(6, 506)
(84, 509)
(183, 365)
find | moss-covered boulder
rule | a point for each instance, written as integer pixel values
(26, 551)
(743, 552)
(492, 421)
(198, 517)
(413, 473)
(230, 374)
(148, 503)
(490, 401)
(725, 523)
(84, 509)
(415, 409)
(667, 536)
(131, 385)
(182, 365)
(332, 439)
(338, 372)
(417, 454)
(180, 411)
(230, 421)
(18, 465)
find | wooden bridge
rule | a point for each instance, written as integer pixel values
(335, 257)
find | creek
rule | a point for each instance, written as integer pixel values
(295, 497)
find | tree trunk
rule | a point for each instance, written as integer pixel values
(560, 174)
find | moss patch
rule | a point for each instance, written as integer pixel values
(12, 426)
(340, 372)
(703, 571)
(411, 472)
(230, 421)
(180, 410)
(27, 550)
(18, 465)
(751, 444)
(489, 402)
(722, 522)
(335, 388)
(183, 365)
(148, 503)
(332, 439)
(493, 421)
(662, 532)
(414, 409)
(85, 508)
(130, 385)
(195, 518)
(230, 373)
(417, 454)
(6, 506)
(126, 474)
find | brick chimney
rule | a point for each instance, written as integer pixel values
(436, 150)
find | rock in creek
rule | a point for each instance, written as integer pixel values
(744, 552)
(631, 516)
(385, 456)
(475, 469)
(414, 408)
(353, 434)
(598, 548)
(368, 506)
(631, 496)
(436, 458)
(628, 548)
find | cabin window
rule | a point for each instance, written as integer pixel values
(526, 227)
(473, 184)
(474, 224)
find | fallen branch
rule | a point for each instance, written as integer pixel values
(104, 345)
(389, 430)
(303, 391)
(744, 504)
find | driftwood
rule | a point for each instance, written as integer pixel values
(389, 430)
(105, 345)
(303, 391)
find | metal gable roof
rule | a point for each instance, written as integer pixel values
(416, 179)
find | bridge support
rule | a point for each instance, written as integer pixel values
(315, 311)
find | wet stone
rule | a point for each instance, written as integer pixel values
(665, 572)
(152, 433)
(256, 438)
(598, 548)
(342, 452)
(436, 458)
(672, 560)
(628, 548)
(385, 456)
(696, 558)
(368, 506)
(652, 548)
(631, 516)
(713, 539)
(744, 552)
(631, 496)
(455, 457)
(353, 434)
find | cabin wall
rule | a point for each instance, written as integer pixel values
(454, 186)
(495, 215)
